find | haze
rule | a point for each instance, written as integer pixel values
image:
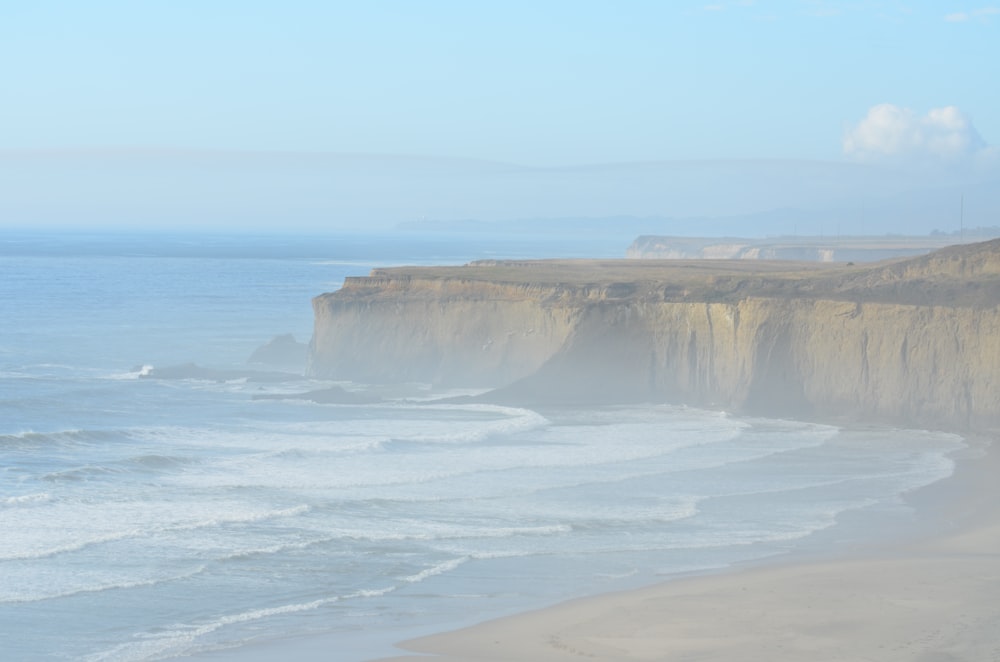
(809, 117)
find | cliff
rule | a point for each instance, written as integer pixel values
(914, 342)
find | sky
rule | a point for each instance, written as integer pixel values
(542, 86)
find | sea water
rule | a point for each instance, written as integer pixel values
(146, 519)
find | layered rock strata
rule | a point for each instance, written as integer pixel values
(913, 342)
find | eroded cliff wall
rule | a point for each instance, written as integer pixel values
(385, 330)
(913, 365)
(837, 356)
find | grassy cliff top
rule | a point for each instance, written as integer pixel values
(965, 275)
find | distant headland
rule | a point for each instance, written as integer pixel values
(818, 249)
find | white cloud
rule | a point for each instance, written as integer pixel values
(982, 14)
(891, 133)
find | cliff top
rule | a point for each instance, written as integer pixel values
(964, 275)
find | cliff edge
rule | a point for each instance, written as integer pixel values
(912, 342)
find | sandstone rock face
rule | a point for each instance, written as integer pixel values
(839, 355)
(441, 332)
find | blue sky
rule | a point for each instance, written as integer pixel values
(537, 84)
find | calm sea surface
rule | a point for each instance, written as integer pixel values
(146, 519)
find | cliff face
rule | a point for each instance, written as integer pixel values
(933, 363)
(453, 333)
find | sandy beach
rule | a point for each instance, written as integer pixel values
(931, 594)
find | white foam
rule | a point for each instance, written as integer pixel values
(371, 593)
(512, 421)
(174, 642)
(274, 549)
(46, 552)
(180, 638)
(301, 457)
(143, 371)
(26, 499)
(63, 535)
(7, 597)
(425, 530)
(438, 569)
(40, 437)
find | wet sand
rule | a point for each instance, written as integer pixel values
(931, 595)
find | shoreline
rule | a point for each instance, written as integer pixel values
(928, 591)
(858, 537)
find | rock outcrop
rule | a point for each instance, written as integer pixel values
(283, 352)
(913, 342)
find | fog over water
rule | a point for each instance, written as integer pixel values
(153, 518)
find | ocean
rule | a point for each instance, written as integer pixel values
(150, 519)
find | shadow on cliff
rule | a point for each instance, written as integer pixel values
(608, 360)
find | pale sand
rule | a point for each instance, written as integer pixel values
(935, 598)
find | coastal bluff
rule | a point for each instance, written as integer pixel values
(912, 342)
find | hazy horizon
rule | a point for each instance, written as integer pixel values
(300, 192)
(317, 117)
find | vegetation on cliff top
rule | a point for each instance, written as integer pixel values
(964, 275)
